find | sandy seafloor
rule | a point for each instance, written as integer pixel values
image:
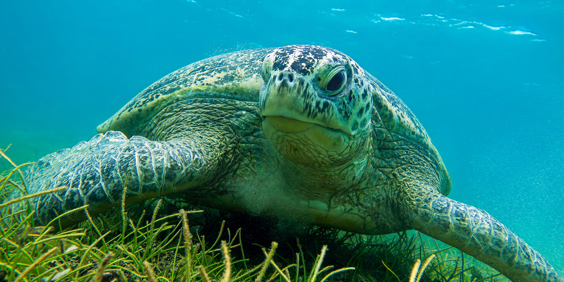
(485, 78)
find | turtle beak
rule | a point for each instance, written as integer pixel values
(292, 97)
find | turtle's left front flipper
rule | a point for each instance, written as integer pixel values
(478, 234)
(97, 171)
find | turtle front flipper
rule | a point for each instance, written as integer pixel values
(478, 234)
(97, 171)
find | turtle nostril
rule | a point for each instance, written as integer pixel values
(290, 77)
(280, 76)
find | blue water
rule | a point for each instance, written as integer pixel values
(485, 78)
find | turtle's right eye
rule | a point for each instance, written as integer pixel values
(267, 66)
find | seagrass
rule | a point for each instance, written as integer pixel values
(85, 254)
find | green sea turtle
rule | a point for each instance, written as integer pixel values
(298, 131)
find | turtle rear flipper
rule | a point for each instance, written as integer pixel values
(97, 171)
(480, 235)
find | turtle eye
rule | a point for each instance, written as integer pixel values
(267, 67)
(335, 81)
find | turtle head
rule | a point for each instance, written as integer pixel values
(315, 109)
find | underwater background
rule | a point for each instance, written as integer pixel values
(485, 78)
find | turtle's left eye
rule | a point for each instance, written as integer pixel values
(337, 81)
(334, 82)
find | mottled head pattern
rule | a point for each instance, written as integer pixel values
(329, 87)
(312, 85)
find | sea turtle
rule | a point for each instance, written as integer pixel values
(298, 131)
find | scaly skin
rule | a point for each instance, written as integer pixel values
(478, 234)
(299, 131)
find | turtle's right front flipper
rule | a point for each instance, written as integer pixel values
(97, 171)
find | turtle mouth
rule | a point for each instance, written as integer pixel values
(283, 130)
(289, 125)
(295, 124)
